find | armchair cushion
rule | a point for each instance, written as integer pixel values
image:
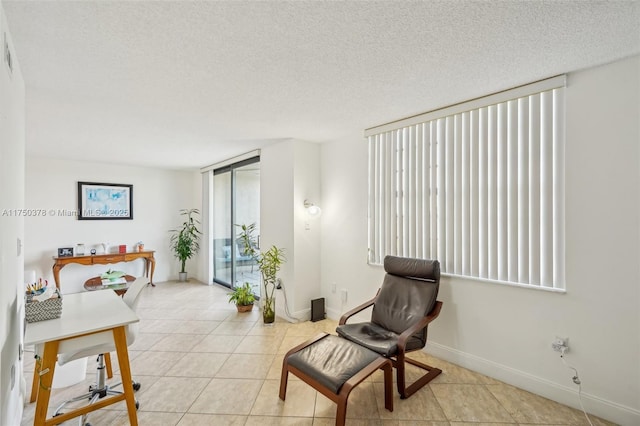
(376, 338)
(408, 294)
(416, 268)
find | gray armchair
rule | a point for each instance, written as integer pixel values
(403, 308)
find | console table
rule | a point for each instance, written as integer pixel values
(105, 259)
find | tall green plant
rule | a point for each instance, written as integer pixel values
(269, 263)
(185, 240)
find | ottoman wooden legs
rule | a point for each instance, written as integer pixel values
(312, 377)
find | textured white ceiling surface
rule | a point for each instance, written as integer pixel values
(183, 84)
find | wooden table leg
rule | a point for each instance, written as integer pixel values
(120, 338)
(35, 382)
(48, 366)
(151, 266)
(56, 274)
(107, 364)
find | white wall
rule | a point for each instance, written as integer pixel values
(289, 175)
(12, 145)
(504, 331)
(158, 196)
(306, 230)
(276, 209)
(344, 226)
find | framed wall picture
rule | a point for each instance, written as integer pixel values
(102, 201)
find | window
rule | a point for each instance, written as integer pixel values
(478, 186)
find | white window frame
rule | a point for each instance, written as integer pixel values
(478, 185)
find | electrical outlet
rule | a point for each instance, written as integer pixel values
(560, 344)
(343, 294)
(334, 288)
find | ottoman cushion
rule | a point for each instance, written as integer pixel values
(332, 361)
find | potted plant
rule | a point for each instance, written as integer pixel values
(243, 297)
(185, 240)
(269, 263)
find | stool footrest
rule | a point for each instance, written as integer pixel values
(334, 367)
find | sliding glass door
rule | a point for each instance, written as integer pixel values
(222, 228)
(236, 201)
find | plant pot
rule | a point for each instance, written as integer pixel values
(182, 276)
(269, 310)
(244, 308)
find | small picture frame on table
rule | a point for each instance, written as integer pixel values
(65, 252)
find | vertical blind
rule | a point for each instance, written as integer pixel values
(478, 186)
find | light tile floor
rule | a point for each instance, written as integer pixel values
(202, 363)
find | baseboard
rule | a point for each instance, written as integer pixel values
(333, 314)
(599, 407)
(298, 316)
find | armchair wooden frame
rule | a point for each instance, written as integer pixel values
(399, 359)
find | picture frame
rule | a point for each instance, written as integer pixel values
(105, 201)
(65, 252)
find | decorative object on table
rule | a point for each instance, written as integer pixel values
(42, 302)
(139, 246)
(80, 249)
(106, 248)
(29, 276)
(100, 201)
(112, 275)
(122, 248)
(114, 281)
(120, 286)
(243, 297)
(269, 263)
(185, 240)
(65, 252)
(93, 251)
(37, 287)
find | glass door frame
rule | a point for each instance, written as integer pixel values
(233, 209)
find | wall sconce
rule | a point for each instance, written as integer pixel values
(312, 209)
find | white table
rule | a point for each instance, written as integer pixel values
(82, 314)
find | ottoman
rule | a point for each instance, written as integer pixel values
(334, 366)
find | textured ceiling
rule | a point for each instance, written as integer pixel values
(185, 84)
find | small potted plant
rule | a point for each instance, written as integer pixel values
(243, 297)
(269, 263)
(185, 240)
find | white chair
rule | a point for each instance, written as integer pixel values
(98, 344)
